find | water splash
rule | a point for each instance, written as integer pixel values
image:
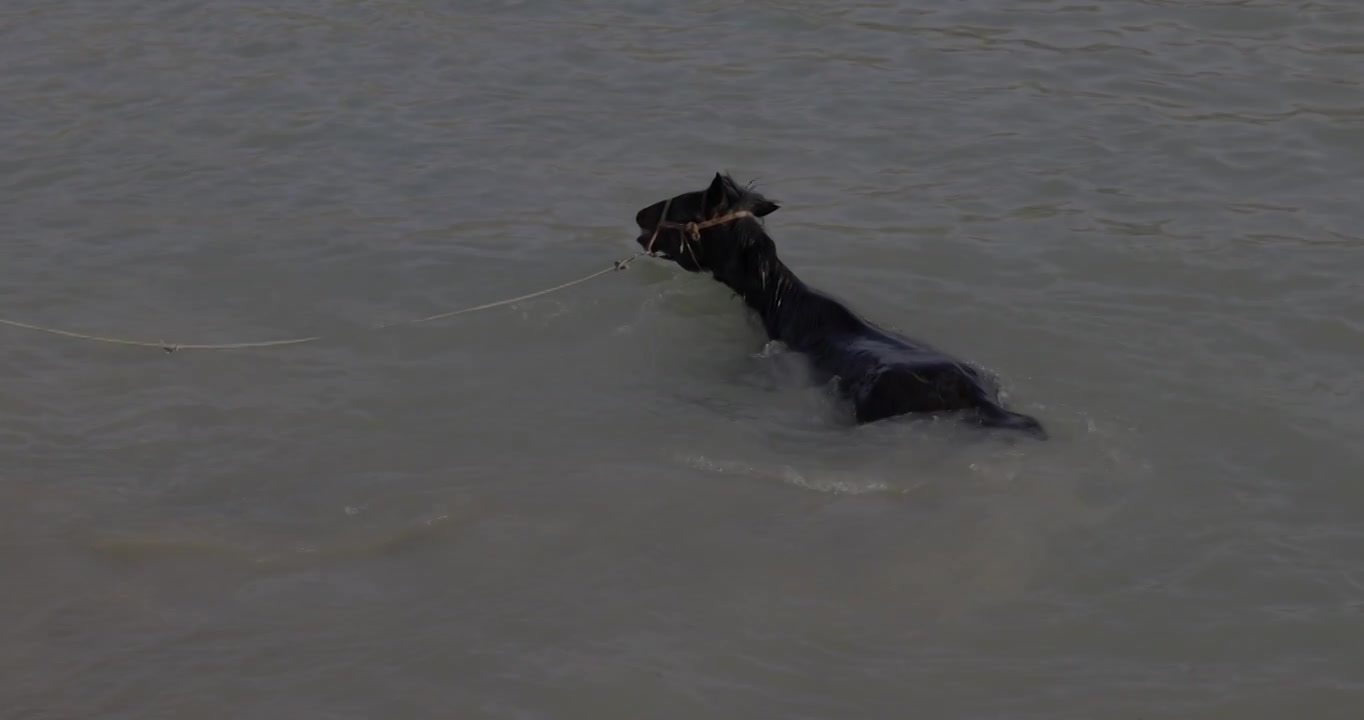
(818, 481)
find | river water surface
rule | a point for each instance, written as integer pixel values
(616, 501)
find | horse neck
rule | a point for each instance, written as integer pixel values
(766, 285)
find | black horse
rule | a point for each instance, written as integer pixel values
(717, 230)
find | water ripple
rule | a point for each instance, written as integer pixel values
(1142, 214)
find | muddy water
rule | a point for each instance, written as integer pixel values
(617, 501)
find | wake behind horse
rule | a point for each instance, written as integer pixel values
(718, 230)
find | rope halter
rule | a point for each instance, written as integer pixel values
(690, 230)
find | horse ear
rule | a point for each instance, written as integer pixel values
(715, 195)
(765, 207)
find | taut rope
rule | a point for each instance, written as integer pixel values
(172, 347)
(692, 232)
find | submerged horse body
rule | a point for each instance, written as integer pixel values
(718, 230)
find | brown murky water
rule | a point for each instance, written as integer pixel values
(616, 501)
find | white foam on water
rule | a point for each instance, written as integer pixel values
(819, 481)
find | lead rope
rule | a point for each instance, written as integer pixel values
(692, 229)
(173, 347)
